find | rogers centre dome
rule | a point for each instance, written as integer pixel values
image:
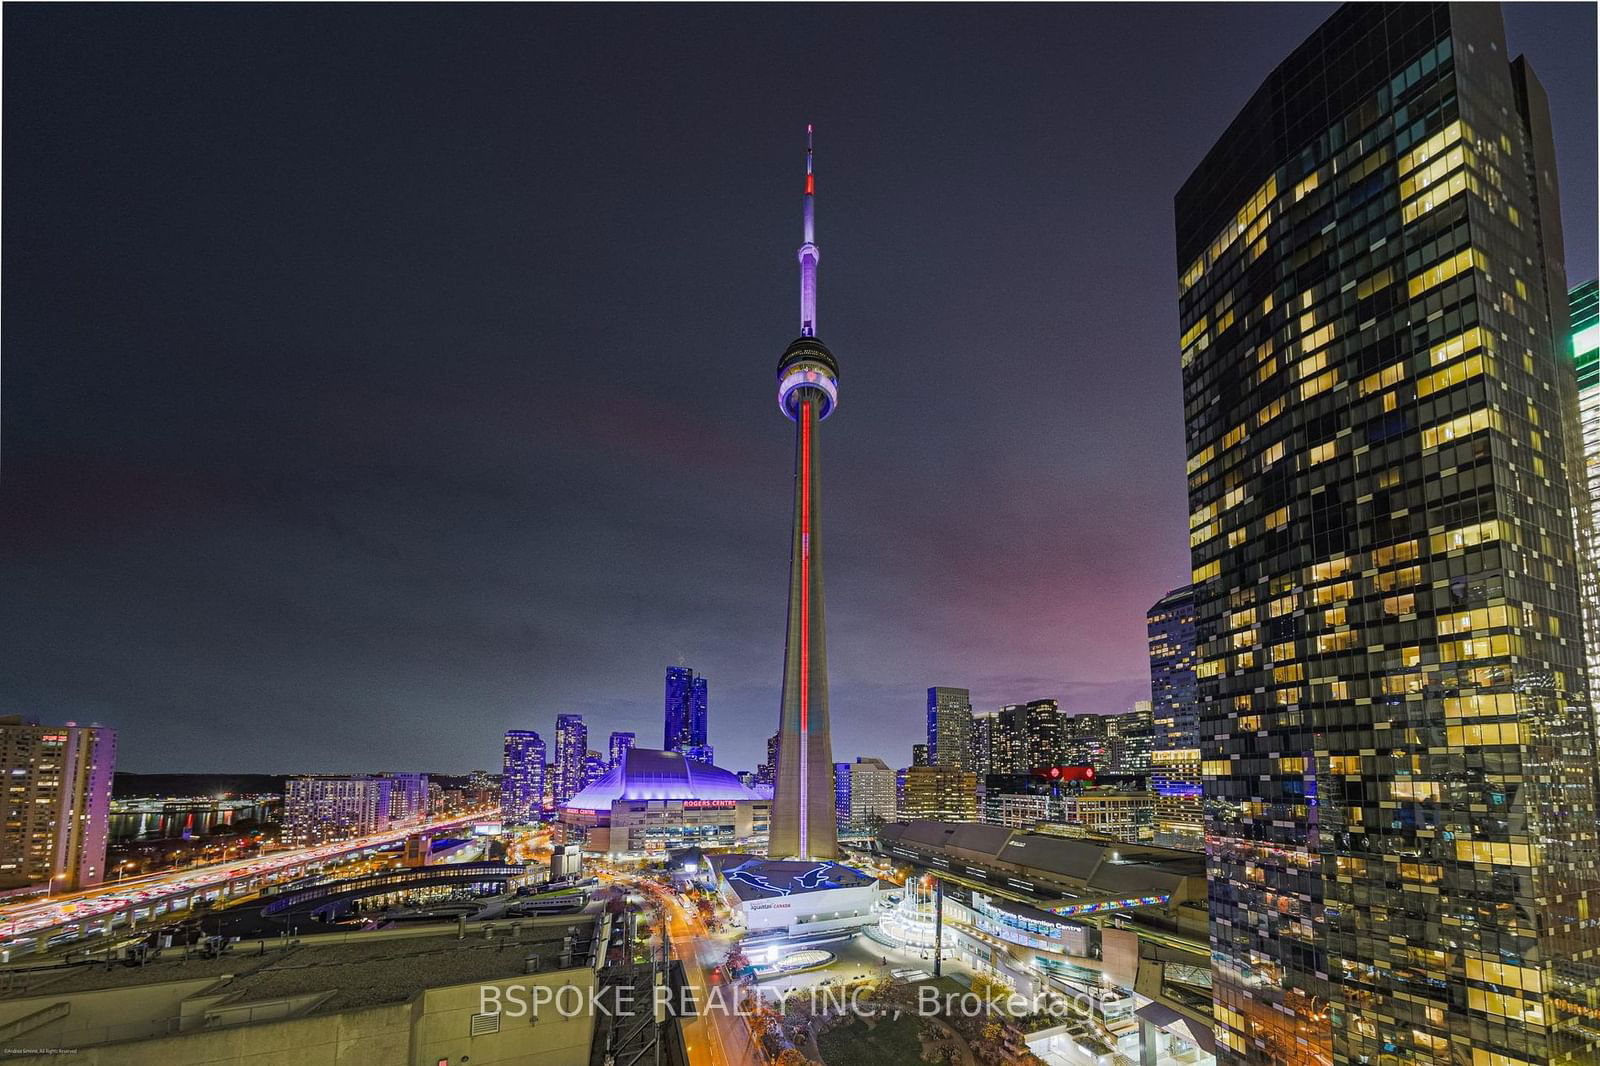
(648, 774)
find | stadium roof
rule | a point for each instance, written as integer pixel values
(648, 774)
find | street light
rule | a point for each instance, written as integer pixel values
(50, 886)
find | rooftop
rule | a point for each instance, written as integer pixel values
(754, 877)
(366, 973)
(353, 969)
(1094, 866)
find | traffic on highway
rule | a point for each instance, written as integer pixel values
(62, 918)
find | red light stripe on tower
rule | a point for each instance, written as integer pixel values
(805, 617)
(805, 560)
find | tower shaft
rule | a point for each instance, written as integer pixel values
(803, 808)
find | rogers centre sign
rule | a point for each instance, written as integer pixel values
(703, 805)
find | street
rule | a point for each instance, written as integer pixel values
(719, 1036)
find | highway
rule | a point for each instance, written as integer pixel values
(31, 925)
(530, 846)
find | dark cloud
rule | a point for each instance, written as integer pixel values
(381, 378)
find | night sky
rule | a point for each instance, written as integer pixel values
(381, 378)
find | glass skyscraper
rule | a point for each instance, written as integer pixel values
(620, 742)
(1129, 738)
(841, 794)
(1039, 733)
(1175, 721)
(1169, 626)
(1398, 753)
(767, 770)
(685, 717)
(984, 729)
(1084, 740)
(572, 757)
(1008, 740)
(950, 741)
(1584, 301)
(522, 777)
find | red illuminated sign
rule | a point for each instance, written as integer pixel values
(1068, 773)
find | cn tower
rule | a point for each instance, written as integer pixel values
(808, 391)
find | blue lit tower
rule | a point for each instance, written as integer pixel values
(808, 390)
(522, 777)
(572, 752)
(620, 742)
(685, 729)
(1174, 713)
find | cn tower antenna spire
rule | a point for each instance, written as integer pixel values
(808, 251)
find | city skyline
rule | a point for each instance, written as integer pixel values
(348, 428)
(330, 662)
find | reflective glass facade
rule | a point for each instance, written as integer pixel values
(1397, 748)
(1170, 628)
(620, 742)
(984, 730)
(572, 757)
(1034, 734)
(1585, 305)
(1175, 721)
(685, 726)
(522, 777)
(950, 741)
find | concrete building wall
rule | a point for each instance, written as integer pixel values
(100, 1016)
(872, 792)
(350, 1038)
(634, 828)
(543, 1038)
(808, 912)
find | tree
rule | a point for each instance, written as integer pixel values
(791, 1057)
(994, 994)
(764, 1020)
(990, 1046)
(893, 998)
